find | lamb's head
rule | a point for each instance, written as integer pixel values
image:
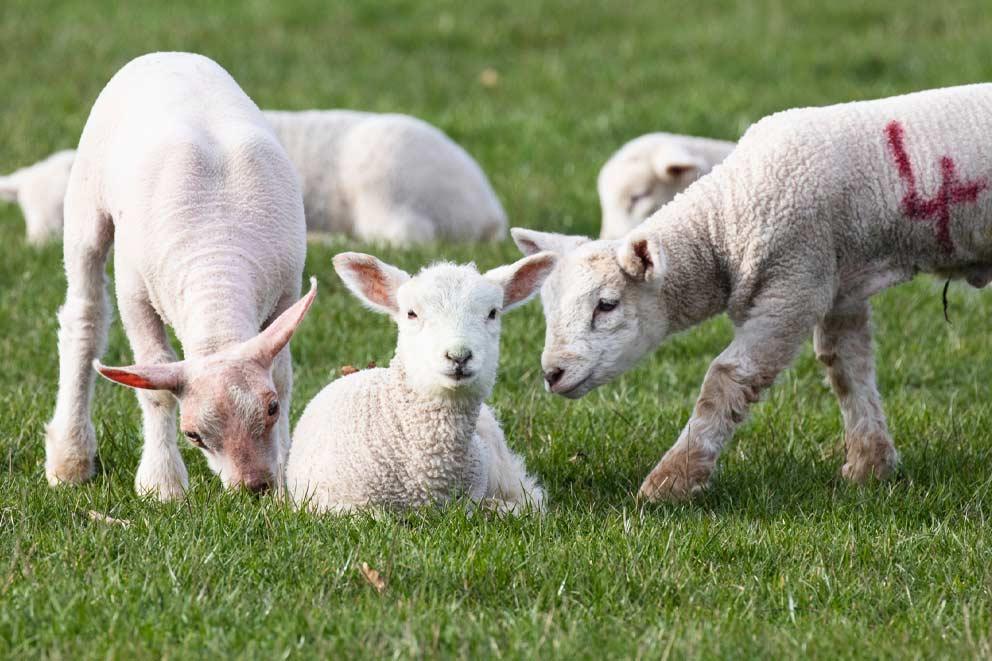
(448, 316)
(228, 403)
(644, 175)
(602, 307)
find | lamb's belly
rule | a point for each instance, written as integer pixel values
(858, 285)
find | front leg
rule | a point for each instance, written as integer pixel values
(282, 377)
(762, 348)
(843, 344)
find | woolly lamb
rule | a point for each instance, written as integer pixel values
(180, 173)
(390, 178)
(814, 212)
(648, 172)
(418, 432)
(39, 189)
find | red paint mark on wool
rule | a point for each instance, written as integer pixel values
(951, 192)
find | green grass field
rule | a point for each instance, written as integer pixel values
(779, 558)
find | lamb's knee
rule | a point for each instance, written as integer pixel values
(727, 392)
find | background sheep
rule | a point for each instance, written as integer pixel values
(377, 177)
(418, 432)
(814, 212)
(648, 172)
(180, 173)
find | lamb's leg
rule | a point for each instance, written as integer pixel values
(161, 472)
(762, 347)
(70, 442)
(843, 343)
(510, 488)
(282, 377)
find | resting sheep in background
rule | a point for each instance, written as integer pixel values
(178, 171)
(815, 211)
(419, 432)
(389, 178)
(648, 172)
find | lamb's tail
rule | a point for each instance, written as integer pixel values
(8, 188)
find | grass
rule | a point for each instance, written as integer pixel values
(780, 558)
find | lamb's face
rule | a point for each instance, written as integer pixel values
(601, 310)
(448, 315)
(228, 408)
(643, 176)
(449, 327)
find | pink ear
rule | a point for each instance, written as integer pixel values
(523, 278)
(266, 345)
(167, 376)
(374, 282)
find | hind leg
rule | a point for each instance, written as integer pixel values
(843, 343)
(510, 488)
(161, 472)
(70, 441)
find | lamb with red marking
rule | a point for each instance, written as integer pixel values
(815, 211)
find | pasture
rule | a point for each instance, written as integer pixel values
(781, 558)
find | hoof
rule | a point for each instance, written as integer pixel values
(681, 475)
(874, 457)
(70, 458)
(164, 483)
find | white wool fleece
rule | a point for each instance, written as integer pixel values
(178, 171)
(385, 177)
(648, 172)
(815, 211)
(376, 177)
(418, 432)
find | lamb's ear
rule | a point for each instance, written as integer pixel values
(523, 278)
(265, 346)
(372, 281)
(532, 242)
(674, 164)
(167, 376)
(641, 258)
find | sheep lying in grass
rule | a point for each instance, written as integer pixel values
(648, 172)
(390, 178)
(419, 432)
(815, 211)
(180, 173)
(39, 190)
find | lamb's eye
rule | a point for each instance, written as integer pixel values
(411, 315)
(195, 439)
(273, 408)
(606, 306)
(492, 314)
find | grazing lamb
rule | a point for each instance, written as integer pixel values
(180, 173)
(390, 178)
(648, 172)
(418, 432)
(815, 211)
(39, 189)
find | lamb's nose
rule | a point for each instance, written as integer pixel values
(459, 357)
(257, 485)
(553, 376)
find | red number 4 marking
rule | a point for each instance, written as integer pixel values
(938, 207)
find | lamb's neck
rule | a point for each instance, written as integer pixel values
(696, 283)
(219, 309)
(451, 419)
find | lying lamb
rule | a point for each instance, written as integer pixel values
(390, 178)
(39, 190)
(816, 210)
(180, 173)
(418, 432)
(648, 172)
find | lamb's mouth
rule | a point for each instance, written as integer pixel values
(459, 375)
(574, 391)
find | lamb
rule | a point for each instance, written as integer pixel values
(648, 172)
(815, 211)
(377, 177)
(39, 189)
(180, 173)
(387, 178)
(418, 431)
